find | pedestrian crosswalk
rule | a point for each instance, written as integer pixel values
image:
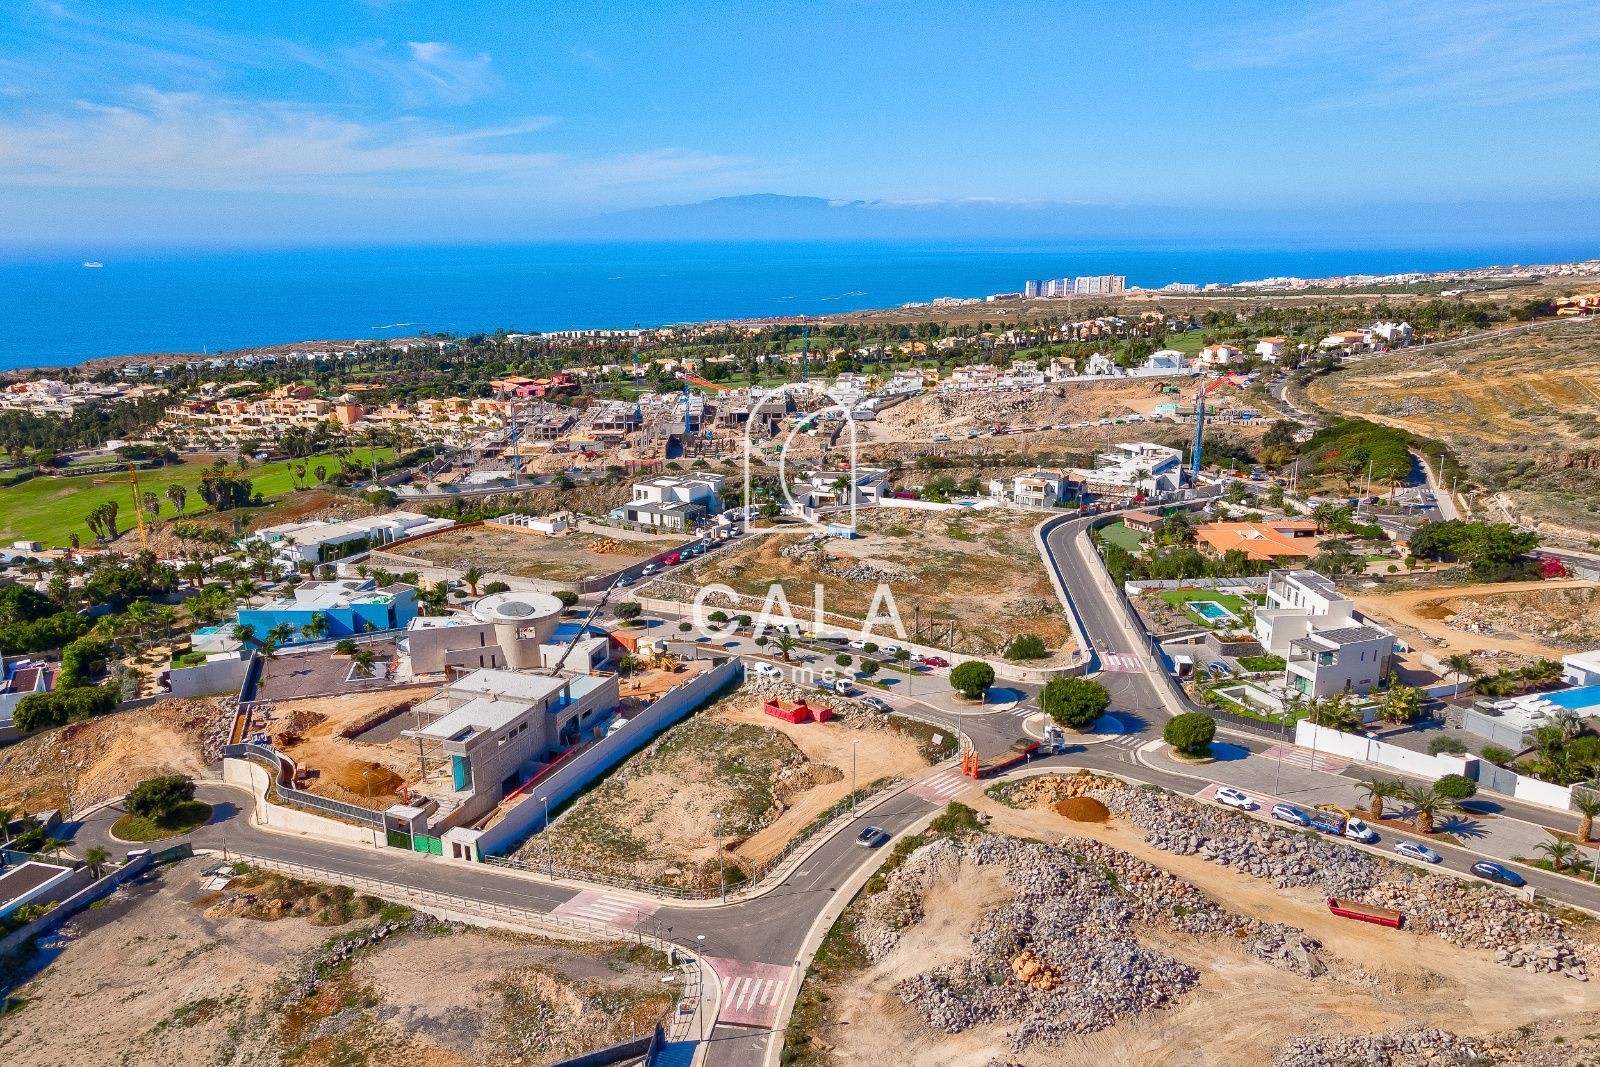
(752, 993)
(1305, 758)
(941, 787)
(1125, 662)
(606, 909)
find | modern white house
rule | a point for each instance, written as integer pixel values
(1033, 489)
(1392, 334)
(1137, 468)
(673, 503)
(319, 542)
(1100, 365)
(1219, 355)
(1328, 646)
(1581, 668)
(863, 487)
(1166, 361)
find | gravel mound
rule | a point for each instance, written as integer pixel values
(1409, 1047)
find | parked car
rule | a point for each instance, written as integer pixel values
(888, 651)
(877, 705)
(860, 645)
(1235, 799)
(1290, 814)
(935, 661)
(871, 837)
(770, 670)
(1496, 873)
(650, 568)
(1417, 851)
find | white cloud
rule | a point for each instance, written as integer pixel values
(1466, 53)
(189, 141)
(424, 72)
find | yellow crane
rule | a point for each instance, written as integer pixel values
(138, 506)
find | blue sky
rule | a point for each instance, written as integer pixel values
(403, 119)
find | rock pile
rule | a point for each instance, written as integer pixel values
(864, 572)
(1410, 1047)
(1061, 957)
(326, 961)
(763, 687)
(1461, 913)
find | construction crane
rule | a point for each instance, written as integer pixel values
(138, 506)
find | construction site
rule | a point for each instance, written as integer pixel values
(1077, 920)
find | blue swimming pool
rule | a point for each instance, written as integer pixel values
(1583, 697)
(1211, 611)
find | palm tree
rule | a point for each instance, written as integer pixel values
(1587, 805)
(51, 847)
(786, 644)
(1460, 664)
(245, 588)
(1425, 803)
(317, 628)
(95, 858)
(472, 576)
(280, 634)
(1378, 790)
(363, 662)
(1559, 851)
(178, 495)
(244, 633)
(436, 598)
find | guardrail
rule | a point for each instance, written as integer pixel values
(299, 797)
(690, 992)
(841, 811)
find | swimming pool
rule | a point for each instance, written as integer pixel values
(1211, 611)
(1583, 697)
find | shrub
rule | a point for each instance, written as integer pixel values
(1026, 646)
(496, 587)
(567, 597)
(1074, 703)
(38, 710)
(1455, 787)
(629, 609)
(869, 667)
(155, 798)
(972, 679)
(1498, 754)
(1190, 733)
(1453, 746)
(843, 661)
(870, 646)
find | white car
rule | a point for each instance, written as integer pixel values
(889, 651)
(858, 645)
(771, 670)
(1232, 798)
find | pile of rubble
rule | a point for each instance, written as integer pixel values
(1061, 957)
(864, 572)
(1569, 618)
(1409, 1047)
(1463, 914)
(327, 961)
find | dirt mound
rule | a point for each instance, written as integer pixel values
(1083, 809)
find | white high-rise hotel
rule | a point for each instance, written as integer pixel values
(1092, 285)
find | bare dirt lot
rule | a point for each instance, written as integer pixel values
(498, 550)
(320, 735)
(1521, 412)
(168, 974)
(1241, 1008)
(1531, 619)
(976, 570)
(655, 818)
(103, 758)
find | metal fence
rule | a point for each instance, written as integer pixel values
(288, 794)
(678, 1020)
(841, 812)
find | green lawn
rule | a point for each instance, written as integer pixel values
(49, 509)
(1123, 537)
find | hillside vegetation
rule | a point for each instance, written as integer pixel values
(1521, 413)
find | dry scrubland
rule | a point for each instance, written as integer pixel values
(269, 972)
(104, 758)
(1521, 412)
(654, 818)
(1532, 620)
(976, 569)
(1147, 929)
(533, 555)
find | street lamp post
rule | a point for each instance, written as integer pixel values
(853, 750)
(549, 845)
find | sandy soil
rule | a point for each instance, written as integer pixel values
(656, 818)
(880, 754)
(1243, 1009)
(499, 550)
(151, 979)
(311, 732)
(1422, 613)
(978, 571)
(103, 758)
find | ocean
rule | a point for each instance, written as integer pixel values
(54, 310)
